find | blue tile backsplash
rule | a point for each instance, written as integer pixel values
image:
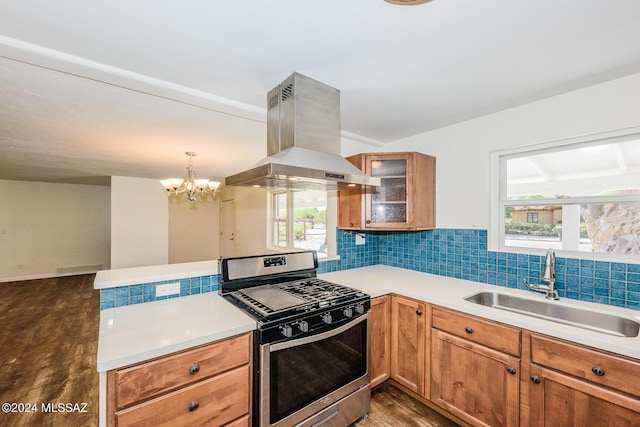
(146, 292)
(463, 254)
(458, 253)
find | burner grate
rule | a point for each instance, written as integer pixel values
(277, 298)
(316, 290)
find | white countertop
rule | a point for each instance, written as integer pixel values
(153, 273)
(450, 293)
(139, 332)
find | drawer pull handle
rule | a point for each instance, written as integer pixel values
(468, 330)
(535, 379)
(193, 406)
(598, 371)
(511, 370)
(194, 369)
(419, 312)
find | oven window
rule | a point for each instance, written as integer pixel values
(303, 374)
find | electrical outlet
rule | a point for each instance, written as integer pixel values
(167, 289)
(361, 239)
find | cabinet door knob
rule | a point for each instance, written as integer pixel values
(535, 379)
(368, 221)
(194, 369)
(598, 371)
(468, 330)
(511, 370)
(419, 312)
(193, 405)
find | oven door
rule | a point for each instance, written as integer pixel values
(301, 377)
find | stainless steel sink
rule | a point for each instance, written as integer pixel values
(585, 319)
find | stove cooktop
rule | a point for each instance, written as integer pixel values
(274, 300)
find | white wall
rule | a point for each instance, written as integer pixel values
(250, 219)
(139, 222)
(194, 229)
(462, 150)
(46, 226)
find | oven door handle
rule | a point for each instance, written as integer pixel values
(319, 337)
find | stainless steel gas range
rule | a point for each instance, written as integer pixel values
(311, 358)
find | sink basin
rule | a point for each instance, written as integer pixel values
(585, 319)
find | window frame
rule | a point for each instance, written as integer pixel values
(498, 197)
(275, 220)
(331, 224)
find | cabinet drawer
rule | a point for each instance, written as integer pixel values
(607, 370)
(215, 401)
(144, 381)
(496, 336)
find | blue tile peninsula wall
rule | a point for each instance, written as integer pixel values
(146, 292)
(463, 254)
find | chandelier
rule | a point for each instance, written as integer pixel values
(191, 185)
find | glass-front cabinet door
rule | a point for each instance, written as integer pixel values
(388, 204)
(405, 200)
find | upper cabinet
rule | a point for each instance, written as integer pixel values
(405, 199)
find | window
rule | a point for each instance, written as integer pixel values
(299, 220)
(579, 196)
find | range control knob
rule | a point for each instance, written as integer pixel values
(303, 326)
(326, 318)
(348, 312)
(286, 331)
(360, 309)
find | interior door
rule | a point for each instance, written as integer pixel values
(227, 228)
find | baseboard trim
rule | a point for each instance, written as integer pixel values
(42, 276)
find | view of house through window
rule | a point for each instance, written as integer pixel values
(580, 197)
(299, 220)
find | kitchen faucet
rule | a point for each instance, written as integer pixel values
(548, 275)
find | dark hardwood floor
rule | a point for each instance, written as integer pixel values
(48, 350)
(391, 407)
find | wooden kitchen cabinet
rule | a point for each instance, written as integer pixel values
(484, 373)
(209, 385)
(380, 340)
(475, 369)
(571, 385)
(410, 330)
(405, 199)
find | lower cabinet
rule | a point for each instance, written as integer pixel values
(469, 379)
(209, 385)
(560, 400)
(410, 330)
(484, 373)
(475, 383)
(380, 340)
(570, 385)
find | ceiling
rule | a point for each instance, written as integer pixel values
(95, 89)
(592, 169)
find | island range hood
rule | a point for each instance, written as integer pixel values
(303, 141)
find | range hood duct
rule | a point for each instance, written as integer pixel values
(303, 141)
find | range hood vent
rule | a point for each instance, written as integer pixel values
(303, 141)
